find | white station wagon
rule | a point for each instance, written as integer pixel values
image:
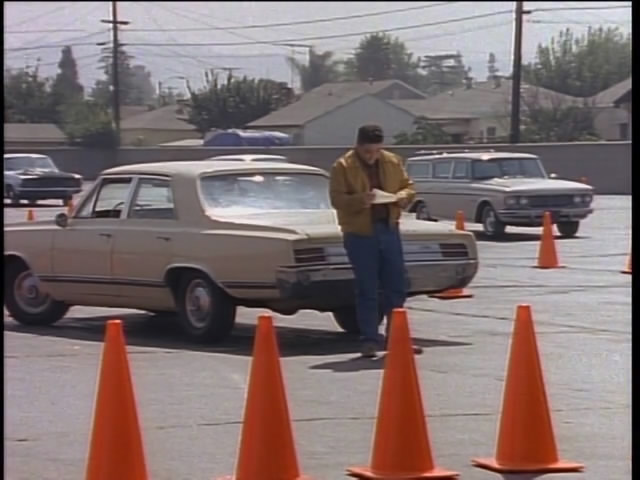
(202, 238)
(496, 189)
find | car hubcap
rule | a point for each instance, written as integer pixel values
(199, 303)
(29, 295)
(489, 222)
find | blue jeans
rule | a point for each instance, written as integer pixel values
(378, 265)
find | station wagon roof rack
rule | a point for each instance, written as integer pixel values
(448, 152)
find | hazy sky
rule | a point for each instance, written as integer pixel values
(224, 23)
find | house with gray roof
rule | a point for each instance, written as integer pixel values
(26, 135)
(153, 127)
(331, 113)
(612, 107)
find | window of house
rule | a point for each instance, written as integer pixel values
(623, 129)
(491, 133)
(457, 138)
(442, 169)
(108, 200)
(153, 200)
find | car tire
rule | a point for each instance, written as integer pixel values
(491, 224)
(206, 312)
(25, 302)
(10, 193)
(568, 229)
(347, 321)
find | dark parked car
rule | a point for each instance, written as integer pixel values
(34, 177)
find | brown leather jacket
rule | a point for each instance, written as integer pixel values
(349, 184)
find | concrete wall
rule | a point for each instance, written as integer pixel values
(607, 165)
(338, 127)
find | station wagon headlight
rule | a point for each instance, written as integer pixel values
(511, 201)
(587, 199)
(577, 199)
(524, 201)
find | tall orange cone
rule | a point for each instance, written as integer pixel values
(460, 220)
(526, 441)
(116, 442)
(30, 216)
(70, 207)
(547, 256)
(267, 450)
(401, 446)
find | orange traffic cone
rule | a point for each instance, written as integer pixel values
(460, 220)
(30, 216)
(627, 269)
(547, 256)
(70, 207)
(267, 449)
(116, 442)
(525, 439)
(401, 447)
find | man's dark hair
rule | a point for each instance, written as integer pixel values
(368, 134)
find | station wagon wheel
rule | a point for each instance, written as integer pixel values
(568, 229)
(11, 195)
(491, 224)
(206, 311)
(25, 299)
(347, 321)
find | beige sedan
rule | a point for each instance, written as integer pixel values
(202, 238)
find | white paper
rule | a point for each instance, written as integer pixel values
(383, 197)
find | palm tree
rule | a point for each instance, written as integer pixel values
(321, 69)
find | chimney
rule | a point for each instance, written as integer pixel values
(497, 81)
(468, 83)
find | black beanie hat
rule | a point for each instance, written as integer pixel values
(368, 134)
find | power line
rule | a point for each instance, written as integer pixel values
(328, 37)
(43, 47)
(44, 14)
(298, 22)
(52, 30)
(558, 9)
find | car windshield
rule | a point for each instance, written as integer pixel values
(508, 168)
(28, 163)
(266, 191)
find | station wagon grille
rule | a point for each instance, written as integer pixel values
(551, 201)
(50, 182)
(454, 250)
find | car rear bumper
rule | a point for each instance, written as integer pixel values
(533, 217)
(329, 287)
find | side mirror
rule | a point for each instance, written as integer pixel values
(62, 220)
(553, 175)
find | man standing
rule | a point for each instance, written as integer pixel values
(371, 230)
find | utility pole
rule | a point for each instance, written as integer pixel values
(515, 76)
(115, 45)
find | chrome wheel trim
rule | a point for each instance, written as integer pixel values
(489, 222)
(199, 303)
(29, 295)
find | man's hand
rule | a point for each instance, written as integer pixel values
(403, 202)
(368, 198)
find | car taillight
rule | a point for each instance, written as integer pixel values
(309, 255)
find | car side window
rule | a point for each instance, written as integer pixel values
(419, 169)
(460, 170)
(108, 200)
(153, 200)
(442, 169)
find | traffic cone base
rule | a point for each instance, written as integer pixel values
(545, 267)
(453, 294)
(492, 465)
(401, 447)
(627, 269)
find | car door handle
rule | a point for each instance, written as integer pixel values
(166, 239)
(106, 235)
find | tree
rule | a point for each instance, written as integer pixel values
(382, 57)
(236, 103)
(444, 72)
(321, 69)
(87, 123)
(134, 81)
(27, 98)
(66, 87)
(425, 133)
(582, 66)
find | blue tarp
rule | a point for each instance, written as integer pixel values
(249, 138)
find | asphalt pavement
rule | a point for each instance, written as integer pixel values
(191, 398)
